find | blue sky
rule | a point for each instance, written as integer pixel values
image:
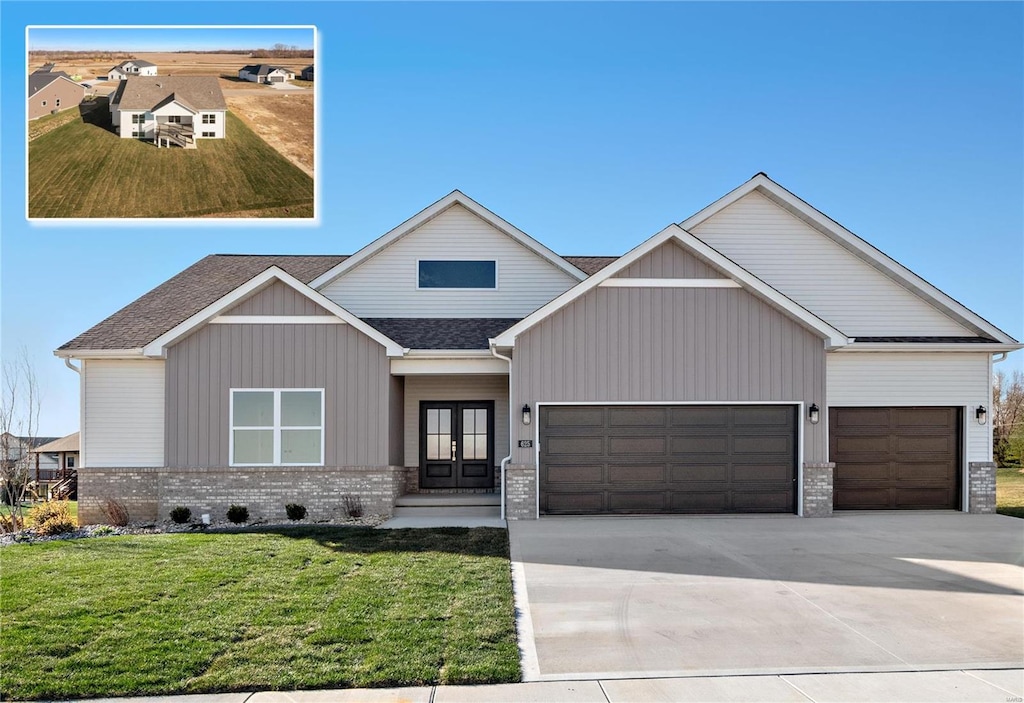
(591, 127)
(78, 39)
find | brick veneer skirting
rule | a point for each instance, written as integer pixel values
(981, 487)
(817, 498)
(521, 492)
(150, 493)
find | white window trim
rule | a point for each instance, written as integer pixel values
(497, 272)
(276, 428)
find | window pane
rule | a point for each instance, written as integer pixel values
(481, 446)
(457, 274)
(432, 421)
(467, 421)
(254, 409)
(444, 447)
(432, 447)
(254, 446)
(445, 425)
(300, 446)
(300, 409)
(481, 421)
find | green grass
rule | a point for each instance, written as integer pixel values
(27, 506)
(1010, 492)
(300, 608)
(83, 170)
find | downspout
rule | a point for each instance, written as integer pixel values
(506, 460)
(81, 409)
(67, 362)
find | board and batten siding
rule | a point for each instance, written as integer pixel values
(818, 273)
(351, 368)
(277, 299)
(461, 388)
(879, 379)
(669, 345)
(123, 418)
(669, 261)
(385, 284)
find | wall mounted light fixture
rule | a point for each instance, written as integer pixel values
(813, 414)
(527, 415)
(981, 415)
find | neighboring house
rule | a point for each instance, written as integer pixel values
(52, 91)
(169, 109)
(132, 67)
(756, 357)
(45, 68)
(61, 458)
(307, 73)
(15, 449)
(265, 73)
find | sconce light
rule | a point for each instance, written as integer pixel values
(981, 415)
(813, 414)
(526, 415)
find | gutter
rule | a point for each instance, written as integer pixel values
(506, 460)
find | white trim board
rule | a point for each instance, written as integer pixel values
(277, 320)
(833, 337)
(669, 283)
(856, 245)
(454, 198)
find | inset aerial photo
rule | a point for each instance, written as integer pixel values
(170, 122)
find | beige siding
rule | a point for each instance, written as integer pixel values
(912, 379)
(351, 367)
(669, 261)
(669, 345)
(123, 418)
(385, 285)
(277, 299)
(418, 388)
(813, 270)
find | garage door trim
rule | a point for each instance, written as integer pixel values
(798, 404)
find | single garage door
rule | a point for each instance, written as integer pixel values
(895, 458)
(614, 459)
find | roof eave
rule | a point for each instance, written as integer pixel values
(992, 348)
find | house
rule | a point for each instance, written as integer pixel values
(169, 109)
(756, 357)
(264, 73)
(18, 458)
(132, 67)
(307, 73)
(61, 458)
(52, 91)
(45, 68)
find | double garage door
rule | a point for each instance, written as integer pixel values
(628, 459)
(612, 459)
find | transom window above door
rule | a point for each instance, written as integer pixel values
(463, 274)
(271, 427)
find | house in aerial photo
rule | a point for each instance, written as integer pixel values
(169, 110)
(51, 91)
(756, 357)
(265, 73)
(131, 67)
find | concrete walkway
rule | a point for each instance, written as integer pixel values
(989, 686)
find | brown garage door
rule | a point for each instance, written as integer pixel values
(895, 458)
(667, 459)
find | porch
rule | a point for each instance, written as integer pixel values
(169, 134)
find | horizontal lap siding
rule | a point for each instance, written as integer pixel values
(817, 273)
(912, 379)
(669, 261)
(124, 413)
(385, 285)
(669, 344)
(277, 299)
(352, 369)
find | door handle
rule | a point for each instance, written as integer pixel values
(455, 449)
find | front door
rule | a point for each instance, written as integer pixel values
(457, 444)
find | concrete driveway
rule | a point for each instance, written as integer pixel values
(632, 598)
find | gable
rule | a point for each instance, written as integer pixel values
(670, 260)
(818, 273)
(385, 283)
(277, 299)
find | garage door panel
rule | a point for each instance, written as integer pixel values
(574, 416)
(676, 459)
(909, 458)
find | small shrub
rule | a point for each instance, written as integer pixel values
(295, 511)
(115, 511)
(238, 514)
(353, 506)
(52, 518)
(181, 515)
(9, 524)
(103, 530)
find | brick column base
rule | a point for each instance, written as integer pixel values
(981, 487)
(521, 492)
(818, 480)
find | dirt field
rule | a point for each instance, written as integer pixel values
(284, 121)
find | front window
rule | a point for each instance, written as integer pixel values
(209, 118)
(458, 274)
(277, 427)
(174, 119)
(69, 462)
(138, 118)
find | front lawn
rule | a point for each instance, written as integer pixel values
(82, 169)
(301, 608)
(1010, 492)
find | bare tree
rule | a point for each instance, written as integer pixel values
(19, 423)
(1008, 418)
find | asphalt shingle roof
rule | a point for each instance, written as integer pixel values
(38, 81)
(263, 69)
(590, 264)
(146, 92)
(441, 332)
